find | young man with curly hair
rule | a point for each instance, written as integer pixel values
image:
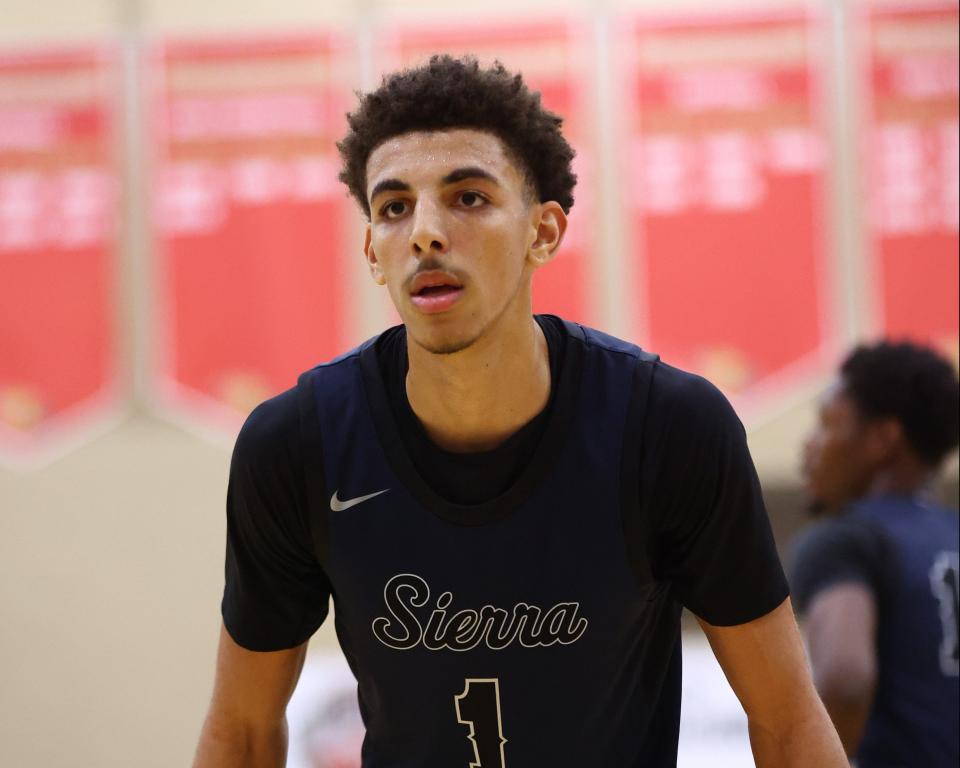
(508, 510)
(876, 577)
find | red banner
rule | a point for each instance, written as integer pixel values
(912, 159)
(58, 228)
(724, 185)
(555, 59)
(252, 227)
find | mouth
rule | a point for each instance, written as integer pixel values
(435, 291)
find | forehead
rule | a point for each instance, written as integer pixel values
(837, 403)
(426, 156)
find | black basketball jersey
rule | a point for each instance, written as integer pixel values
(540, 628)
(904, 550)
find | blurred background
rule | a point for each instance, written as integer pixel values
(763, 183)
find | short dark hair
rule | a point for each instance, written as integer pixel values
(913, 384)
(449, 93)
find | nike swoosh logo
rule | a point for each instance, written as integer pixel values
(338, 506)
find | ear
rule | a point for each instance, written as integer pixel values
(884, 438)
(549, 227)
(376, 271)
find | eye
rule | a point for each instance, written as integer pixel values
(471, 199)
(393, 209)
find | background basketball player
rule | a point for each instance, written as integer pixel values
(876, 578)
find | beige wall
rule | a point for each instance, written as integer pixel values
(111, 557)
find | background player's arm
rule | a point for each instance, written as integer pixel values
(246, 725)
(764, 661)
(840, 626)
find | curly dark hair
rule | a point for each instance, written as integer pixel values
(912, 384)
(451, 93)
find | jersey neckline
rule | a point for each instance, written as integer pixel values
(545, 456)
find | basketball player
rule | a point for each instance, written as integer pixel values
(876, 578)
(508, 510)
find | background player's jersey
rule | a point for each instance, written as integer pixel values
(905, 550)
(539, 627)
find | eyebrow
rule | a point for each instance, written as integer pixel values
(389, 185)
(459, 174)
(470, 172)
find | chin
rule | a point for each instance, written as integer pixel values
(443, 343)
(448, 348)
(824, 505)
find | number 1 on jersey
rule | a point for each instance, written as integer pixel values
(943, 579)
(478, 707)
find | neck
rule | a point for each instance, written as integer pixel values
(903, 479)
(474, 399)
(902, 475)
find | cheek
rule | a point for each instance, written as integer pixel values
(388, 247)
(497, 252)
(844, 463)
(829, 455)
(836, 452)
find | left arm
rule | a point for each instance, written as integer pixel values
(711, 540)
(767, 668)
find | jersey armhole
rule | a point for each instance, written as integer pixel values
(635, 528)
(312, 458)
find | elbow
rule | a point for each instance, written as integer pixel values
(846, 682)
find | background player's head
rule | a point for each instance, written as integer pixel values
(466, 181)
(889, 421)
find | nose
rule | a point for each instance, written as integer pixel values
(428, 235)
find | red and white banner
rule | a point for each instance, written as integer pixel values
(723, 182)
(911, 157)
(252, 228)
(58, 228)
(555, 59)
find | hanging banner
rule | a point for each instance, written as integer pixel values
(912, 145)
(58, 229)
(253, 230)
(556, 60)
(723, 183)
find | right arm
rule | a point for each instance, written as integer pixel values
(840, 627)
(841, 567)
(246, 724)
(276, 593)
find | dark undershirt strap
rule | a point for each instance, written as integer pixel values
(635, 524)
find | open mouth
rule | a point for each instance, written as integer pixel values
(435, 291)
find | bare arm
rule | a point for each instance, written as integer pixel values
(840, 627)
(764, 662)
(246, 725)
